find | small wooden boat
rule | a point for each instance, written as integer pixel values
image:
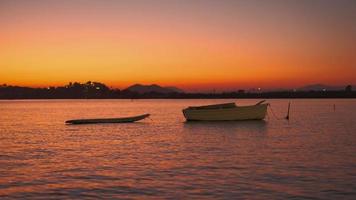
(226, 112)
(108, 120)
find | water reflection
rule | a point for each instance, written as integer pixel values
(224, 127)
(311, 156)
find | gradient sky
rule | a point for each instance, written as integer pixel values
(195, 45)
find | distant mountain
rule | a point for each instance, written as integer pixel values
(321, 87)
(175, 89)
(141, 89)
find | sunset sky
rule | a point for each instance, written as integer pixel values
(195, 45)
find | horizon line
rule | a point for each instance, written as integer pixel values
(211, 90)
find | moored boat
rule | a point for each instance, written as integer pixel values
(226, 112)
(108, 120)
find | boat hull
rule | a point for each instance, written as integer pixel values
(254, 112)
(108, 120)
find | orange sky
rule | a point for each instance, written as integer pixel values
(195, 45)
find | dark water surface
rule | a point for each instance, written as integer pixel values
(311, 156)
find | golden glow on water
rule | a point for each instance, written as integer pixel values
(311, 156)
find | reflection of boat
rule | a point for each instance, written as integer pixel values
(225, 127)
(108, 120)
(226, 112)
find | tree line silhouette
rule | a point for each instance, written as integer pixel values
(97, 90)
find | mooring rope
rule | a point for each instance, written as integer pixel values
(274, 114)
(149, 117)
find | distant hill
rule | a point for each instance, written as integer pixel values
(177, 90)
(141, 89)
(321, 87)
(96, 90)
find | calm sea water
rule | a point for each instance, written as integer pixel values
(311, 156)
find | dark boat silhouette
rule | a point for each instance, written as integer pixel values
(108, 120)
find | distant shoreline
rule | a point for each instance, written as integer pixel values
(187, 98)
(96, 90)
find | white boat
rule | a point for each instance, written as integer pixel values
(226, 112)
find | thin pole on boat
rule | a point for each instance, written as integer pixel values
(287, 117)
